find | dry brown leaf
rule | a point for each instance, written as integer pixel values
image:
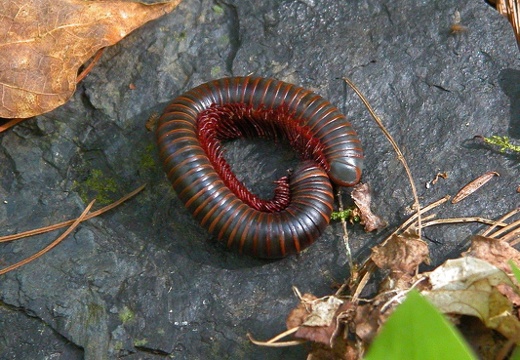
(401, 253)
(470, 286)
(363, 198)
(44, 42)
(320, 324)
(368, 320)
(495, 252)
(298, 315)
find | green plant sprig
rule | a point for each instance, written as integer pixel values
(347, 214)
(503, 142)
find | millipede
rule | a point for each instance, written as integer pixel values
(190, 136)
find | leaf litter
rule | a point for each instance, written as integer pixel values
(477, 286)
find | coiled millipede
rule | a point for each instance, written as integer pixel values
(190, 134)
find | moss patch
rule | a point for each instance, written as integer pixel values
(126, 315)
(140, 342)
(147, 159)
(97, 185)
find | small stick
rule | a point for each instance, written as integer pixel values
(412, 218)
(272, 342)
(512, 238)
(503, 218)
(463, 220)
(345, 236)
(69, 222)
(400, 155)
(10, 124)
(52, 244)
(505, 229)
(90, 66)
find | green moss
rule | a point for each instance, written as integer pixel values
(216, 71)
(223, 40)
(147, 159)
(126, 315)
(118, 345)
(95, 313)
(140, 342)
(218, 10)
(97, 185)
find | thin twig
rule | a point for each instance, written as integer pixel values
(462, 221)
(90, 66)
(502, 219)
(505, 229)
(361, 286)
(345, 235)
(10, 124)
(273, 342)
(69, 222)
(412, 218)
(400, 155)
(512, 238)
(52, 244)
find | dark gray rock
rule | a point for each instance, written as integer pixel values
(145, 281)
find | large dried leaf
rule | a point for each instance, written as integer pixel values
(494, 251)
(474, 287)
(44, 42)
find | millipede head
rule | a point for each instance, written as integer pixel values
(346, 172)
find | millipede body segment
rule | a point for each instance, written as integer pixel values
(190, 134)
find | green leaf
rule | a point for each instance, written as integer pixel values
(516, 353)
(417, 330)
(516, 270)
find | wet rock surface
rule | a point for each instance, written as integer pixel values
(145, 281)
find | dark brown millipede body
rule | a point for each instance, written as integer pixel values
(189, 135)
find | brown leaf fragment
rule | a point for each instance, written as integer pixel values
(510, 293)
(368, 320)
(321, 323)
(44, 42)
(473, 186)
(323, 311)
(340, 345)
(401, 253)
(298, 315)
(363, 198)
(494, 251)
(439, 175)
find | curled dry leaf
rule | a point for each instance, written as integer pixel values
(470, 286)
(298, 315)
(44, 42)
(363, 198)
(368, 320)
(401, 253)
(494, 251)
(439, 175)
(473, 186)
(320, 324)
